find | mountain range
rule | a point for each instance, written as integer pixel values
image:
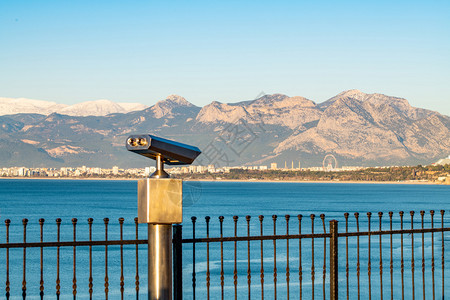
(357, 128)
(10, 106)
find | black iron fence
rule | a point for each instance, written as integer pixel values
(381, 256)
(378, 261)
(74, 244)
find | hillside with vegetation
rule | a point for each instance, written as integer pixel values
(418, 173)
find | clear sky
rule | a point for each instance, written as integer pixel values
(228, 51)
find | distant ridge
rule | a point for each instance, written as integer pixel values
(9, 106)
(357, 128)
(103, 107)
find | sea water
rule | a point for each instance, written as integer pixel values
(97, 199)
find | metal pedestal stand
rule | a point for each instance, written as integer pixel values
(160, 205)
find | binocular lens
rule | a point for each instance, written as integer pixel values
(142, 142)
(132, 142)
(137, 142)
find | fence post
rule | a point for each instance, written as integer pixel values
(334, 260)
(177, 262)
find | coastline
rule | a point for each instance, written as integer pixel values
(329, 181)
(414, 182)
(67, 178)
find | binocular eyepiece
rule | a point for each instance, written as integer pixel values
(134, 142)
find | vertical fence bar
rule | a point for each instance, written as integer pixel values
(8, 289)
(346, 255)
(106, 221)
(442, 252)
(324, 268)
(402, 262)
(235, 219)
(249, 275)
(91, 285)
(422, 213)
(274, 219)
(412, 256)
(58, 281)
(261, 218)
(41, 282)
(208, 274)
(287, 217)
(222, 277)
(300, 267)
(312, 257)
(136, 283)
(432, 253)
(391, 261)
(24, 278)
(380, 216)
(358, 266)
(122, 283)
(369, 261)
(74, 281)
(193, 219)
(178, 262)
(334, 267)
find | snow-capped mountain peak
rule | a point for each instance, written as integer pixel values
(93, 108)
(9, 106)
(102, 107)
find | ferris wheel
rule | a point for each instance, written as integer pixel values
(329, 163)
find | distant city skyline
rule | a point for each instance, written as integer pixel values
(72, 52)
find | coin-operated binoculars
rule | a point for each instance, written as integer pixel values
(160, 205)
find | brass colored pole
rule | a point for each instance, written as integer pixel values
(160, 251)
(160, 261)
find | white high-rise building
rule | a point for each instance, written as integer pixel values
(21, 172)
(115, 170)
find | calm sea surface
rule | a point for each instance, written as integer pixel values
(82, 199)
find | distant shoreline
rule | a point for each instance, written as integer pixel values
(415, 182)
(329, 181)
(68, 178)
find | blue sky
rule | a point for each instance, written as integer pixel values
(228, 51)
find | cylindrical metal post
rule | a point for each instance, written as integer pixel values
(160, 173)
(334, 260)
(159, 261)
(160, 252)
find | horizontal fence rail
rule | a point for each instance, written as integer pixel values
(394, 256)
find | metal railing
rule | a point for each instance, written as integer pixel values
(268, 261)
(383, 246)
(58, 244)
